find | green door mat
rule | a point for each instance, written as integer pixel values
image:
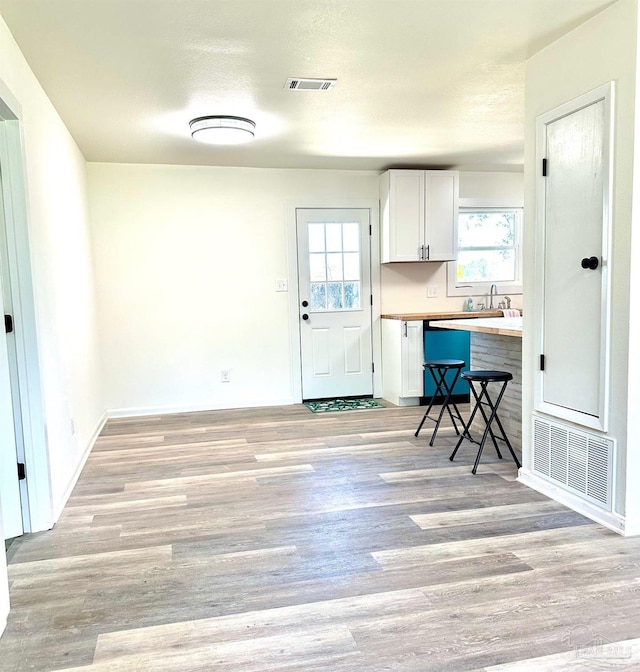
(331, 405)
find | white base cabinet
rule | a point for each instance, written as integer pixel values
(402, 359)
(419, 215)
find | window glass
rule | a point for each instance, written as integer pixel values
(334, 266)
(317, 267)
(352, 266)
(488, 250)
(352, 295)
(318, 296)
(334, 237)
(316, 238)
(334, 290)
(351, 237)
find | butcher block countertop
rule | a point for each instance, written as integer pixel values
(441, 316)
(502, 326)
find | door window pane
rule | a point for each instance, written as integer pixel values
(317, 267)
(352, 266)
(351, 237)
(334, 298)
(334, 237)
(318, 296)
(352, 295)
(316, 238)
(334, 265)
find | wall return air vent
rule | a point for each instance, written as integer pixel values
(579, 461)
(306, 84)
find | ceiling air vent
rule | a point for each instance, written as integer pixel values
(306, 84)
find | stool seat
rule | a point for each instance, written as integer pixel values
(444, 363)
(482, 398)
(487, 376)
(438, 368)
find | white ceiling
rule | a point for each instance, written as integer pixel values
(420, 82)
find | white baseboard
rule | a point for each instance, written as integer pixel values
(59, 506)
(610, 520)
(192, 408)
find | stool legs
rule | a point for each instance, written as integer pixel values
(444, 390)
(488, 431)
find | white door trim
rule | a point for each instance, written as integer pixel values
(36, 454)
(294, 310)
(604, 93)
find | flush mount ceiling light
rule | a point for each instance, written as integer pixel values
(222, 130)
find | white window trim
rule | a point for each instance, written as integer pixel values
(455, 288)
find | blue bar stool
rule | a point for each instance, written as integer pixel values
(483, 400)
(444, 388)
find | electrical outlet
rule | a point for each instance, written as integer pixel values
(282, 285)
(432, 291)
(225, 376)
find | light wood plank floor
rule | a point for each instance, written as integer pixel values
(274, 539)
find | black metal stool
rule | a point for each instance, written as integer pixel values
(483, 399)
(444, 388)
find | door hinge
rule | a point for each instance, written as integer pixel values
(8, 324)
(544, 167)
(541, 362)
(371, 296)
(22, 474)
(373, 367)
(370, 229)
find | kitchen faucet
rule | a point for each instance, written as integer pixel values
(492, 292)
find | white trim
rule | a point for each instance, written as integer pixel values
(612, 521)
(38, 484)
(140, 411)
(606, 93)
(59, 506)
(373, 205)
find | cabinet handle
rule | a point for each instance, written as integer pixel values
(406, 329)
(426, 256)
(420, 248)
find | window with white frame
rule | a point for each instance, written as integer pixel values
(488, 252)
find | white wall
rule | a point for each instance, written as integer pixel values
(601, 50)
(404, 286)
(186, 264)
(61, 259)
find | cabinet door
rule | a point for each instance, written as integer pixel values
(412, 358)
(441, 214)
(406, 215)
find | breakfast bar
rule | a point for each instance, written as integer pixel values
(496, 344)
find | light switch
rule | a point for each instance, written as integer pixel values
(432, 291)
(282, 285)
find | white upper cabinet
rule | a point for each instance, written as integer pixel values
(419, 213)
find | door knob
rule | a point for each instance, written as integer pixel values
(305, 304)
(591, 263)
(305, 316)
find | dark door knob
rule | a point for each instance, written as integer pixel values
(305, 317)
(590, 263)
(305, 304)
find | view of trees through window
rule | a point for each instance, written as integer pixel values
(487, 246)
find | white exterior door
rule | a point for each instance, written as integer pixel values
(574, 282)
(334, 284)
